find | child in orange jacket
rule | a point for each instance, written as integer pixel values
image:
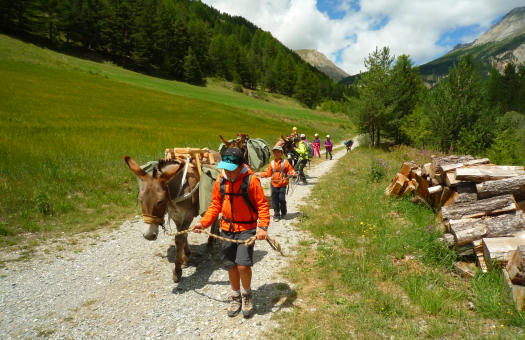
(278, 169)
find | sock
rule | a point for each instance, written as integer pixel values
(236, 293)
(246, 291)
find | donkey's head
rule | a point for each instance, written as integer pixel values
(154, 194)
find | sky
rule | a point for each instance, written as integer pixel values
(347, 31)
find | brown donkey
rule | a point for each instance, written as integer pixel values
(169, 189)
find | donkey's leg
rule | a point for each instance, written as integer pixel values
(180, 240)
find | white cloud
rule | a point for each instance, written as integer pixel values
(412, 27)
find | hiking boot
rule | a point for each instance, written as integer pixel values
(247, 306)
(235, 306)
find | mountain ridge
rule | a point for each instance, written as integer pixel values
(322, 63)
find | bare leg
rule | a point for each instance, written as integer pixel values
(235, 278)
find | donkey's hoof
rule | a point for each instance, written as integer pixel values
(177, 275)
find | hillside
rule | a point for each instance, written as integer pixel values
(66, 123)
(322, 63)
(503, 43)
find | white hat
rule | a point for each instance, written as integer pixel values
(278, 147)
(303, 135)
(316, 135)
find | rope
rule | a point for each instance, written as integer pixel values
(150, 219)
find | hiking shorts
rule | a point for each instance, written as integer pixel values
(237, 253)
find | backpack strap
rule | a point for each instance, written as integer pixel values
(243, 191)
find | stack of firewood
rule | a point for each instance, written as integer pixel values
(481, 206)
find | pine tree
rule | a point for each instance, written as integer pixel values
(192, 70)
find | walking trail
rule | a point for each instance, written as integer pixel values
(118, 285)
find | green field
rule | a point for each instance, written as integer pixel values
(66, 123)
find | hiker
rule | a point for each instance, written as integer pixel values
(328, 145)
(294, 133)
(317, 146)
(278, 169)
(348, 145)
(238, 195)
(302, 150)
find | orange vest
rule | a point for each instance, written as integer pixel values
(236, 214)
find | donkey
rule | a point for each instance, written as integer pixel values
(288, 146)
(167, 189)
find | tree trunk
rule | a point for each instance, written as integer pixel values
(489, 206)
(513, 185)
(378, 139)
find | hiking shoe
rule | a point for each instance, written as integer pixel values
(247, 306)
(235, 306)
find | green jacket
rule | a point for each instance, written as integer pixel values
(302, 150)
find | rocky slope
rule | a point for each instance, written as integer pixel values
(503, 43)
(322, 63)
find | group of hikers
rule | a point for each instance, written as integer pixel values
(239, 197)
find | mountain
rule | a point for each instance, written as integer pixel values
(322, 63)
(502, 43)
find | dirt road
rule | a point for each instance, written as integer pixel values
(118, 285)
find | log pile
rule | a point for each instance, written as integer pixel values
(480, 206)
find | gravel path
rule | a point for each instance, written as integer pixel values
(118, 285)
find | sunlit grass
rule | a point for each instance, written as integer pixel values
(66, 123)
(376, 270)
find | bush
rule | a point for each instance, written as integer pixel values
(377, 170)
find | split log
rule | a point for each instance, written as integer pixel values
(435, 189)
(427, 169)
(437, 162)
(515, 293)
(465, 269)
(468, 230)
(513, 185)
(407, 167)
(397, 185)
(466, 197)
(478, 250)
(452, 199)
(445, 195)
(411, 187)
(516, 266)
(489, 206)
(466, 250)
(447, 239)
(449, 167)
(450, 179)
(498, 250)
(481, 173)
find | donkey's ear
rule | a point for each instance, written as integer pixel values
(167, 175)
(133, 166)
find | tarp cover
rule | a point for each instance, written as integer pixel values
(208, 177)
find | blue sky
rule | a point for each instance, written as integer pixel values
(346, 31)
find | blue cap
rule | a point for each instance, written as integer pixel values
(231, 159)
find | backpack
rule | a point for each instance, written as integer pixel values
(242, 192)
(310, 148)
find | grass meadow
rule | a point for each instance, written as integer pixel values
(67, 123)
(375, 270)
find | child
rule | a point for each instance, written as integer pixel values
(278, 169)
(317, 146)
(328, 146)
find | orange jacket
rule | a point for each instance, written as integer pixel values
(240, 212)
(279, 179)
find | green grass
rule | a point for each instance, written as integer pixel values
(377, 269)
(66, 123)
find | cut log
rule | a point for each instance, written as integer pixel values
(427, 169)
(435, 189)
(477, 162)
(438, 162)
(466, 192)
(468, 230)
(452, 199)
(489, 206)
(498, 250)
(515, 293)
(465, 269)
(513, 185)
(410, 187)
(466, 197)
(478, 250)
(397, 185)
(447, 239)
(450, 179)
(407, 167)
(516, 266)
(445, 195)
(481, 173)
(449, 167)
(422, 189)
